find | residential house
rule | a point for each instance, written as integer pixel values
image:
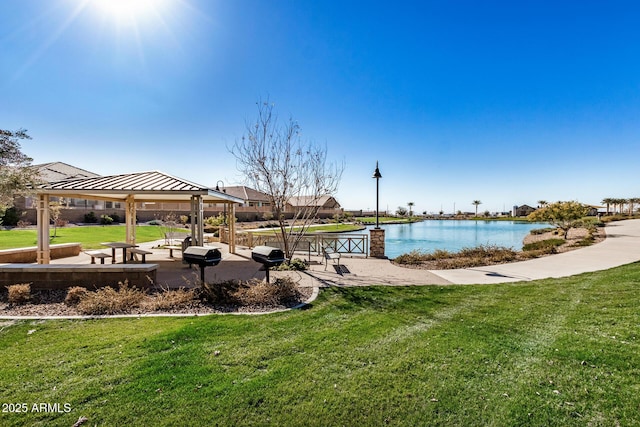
(523, 210)
(327, 205)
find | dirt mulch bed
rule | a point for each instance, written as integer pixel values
(51, 303)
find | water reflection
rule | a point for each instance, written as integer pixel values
(453, 235)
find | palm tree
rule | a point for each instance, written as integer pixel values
(542, 203)
(621, 203)
(632, 201)
(608, 201)
(476, 203)
(410, 204)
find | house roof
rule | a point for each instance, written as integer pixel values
(301, 201)
(57, 171)
(247, 193)
(144, 186)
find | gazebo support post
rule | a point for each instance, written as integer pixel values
(43, 254)
(130, 219)
(200, 230)
(197, 220)
(232, 227)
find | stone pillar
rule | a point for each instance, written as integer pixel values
(376, 248)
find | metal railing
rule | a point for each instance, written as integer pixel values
(342, 243)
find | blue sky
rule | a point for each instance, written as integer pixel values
(506, 102)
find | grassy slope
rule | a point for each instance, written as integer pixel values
(89, 236)
(554, 352)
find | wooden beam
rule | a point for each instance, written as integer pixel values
(42, 219)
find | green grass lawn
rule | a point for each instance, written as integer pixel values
(560, 352)
(382, 219)
(89, 236)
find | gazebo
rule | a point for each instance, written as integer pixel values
(153, 186)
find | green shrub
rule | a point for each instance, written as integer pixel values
(10, 217)
(115, 217)
(586, 241)
(295, 264)
(19, 294)
(90, 218)
(106, 220)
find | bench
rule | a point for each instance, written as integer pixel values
(171, 239)
(136, 251)
(330, 254)
(97, 254)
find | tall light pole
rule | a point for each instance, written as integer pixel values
(224, 190)
(377, 176)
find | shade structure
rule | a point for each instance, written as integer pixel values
(152, 186)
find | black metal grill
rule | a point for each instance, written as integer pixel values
(203, 256)
(268, 256)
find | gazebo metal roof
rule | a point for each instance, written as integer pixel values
(146, 186)
(153, 186)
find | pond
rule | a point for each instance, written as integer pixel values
(453, 235)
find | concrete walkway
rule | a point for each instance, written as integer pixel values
(622, 246)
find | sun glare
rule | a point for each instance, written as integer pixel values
(128, 10)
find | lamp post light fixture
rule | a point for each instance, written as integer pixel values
(224, 190)
(377, 176)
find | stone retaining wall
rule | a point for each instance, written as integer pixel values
(63, 276)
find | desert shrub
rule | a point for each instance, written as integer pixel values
(23, 224)
(106, 220)
(75, 295)
(170, 299)
(90, 218)
(489, 252)
(220, 293)
(19, 294)
(452, 263)
(258, 292)
(414, 257)
(547, 246)
(538, 231)
(111, 301)
(253, 292)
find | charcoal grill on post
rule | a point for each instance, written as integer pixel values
(268, 256)
(203, 256)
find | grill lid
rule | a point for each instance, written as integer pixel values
(202, 251)
(268, 252)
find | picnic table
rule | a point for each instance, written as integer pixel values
(119, 245)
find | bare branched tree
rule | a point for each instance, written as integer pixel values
(275, 160)
(16, 173)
